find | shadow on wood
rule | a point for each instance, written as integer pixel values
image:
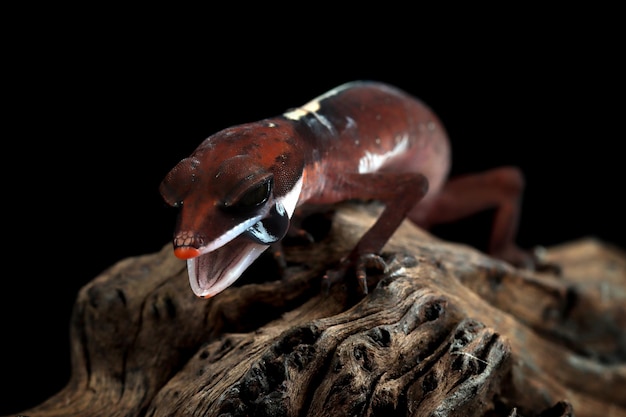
(446, 331)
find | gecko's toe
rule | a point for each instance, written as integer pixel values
(336, 275)
(541, 264)
(368, 261)
(304, 236)
(534, 260)
(364, 265)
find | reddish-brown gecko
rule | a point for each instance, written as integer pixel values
(362, 140)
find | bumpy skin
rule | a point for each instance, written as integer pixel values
(362, 140)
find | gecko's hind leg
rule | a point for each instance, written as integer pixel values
(500, 189)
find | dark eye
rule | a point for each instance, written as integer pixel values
(254, 197)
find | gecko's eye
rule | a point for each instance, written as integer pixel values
(254, 197)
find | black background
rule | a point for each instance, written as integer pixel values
(100, 113)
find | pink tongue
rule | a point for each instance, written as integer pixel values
(213, 272)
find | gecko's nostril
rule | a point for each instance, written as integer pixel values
(186, 252)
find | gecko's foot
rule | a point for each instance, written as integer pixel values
(309, 225)
(363, 263)
(299, 236)
(532, 260)
(295, 236)
(279, 257)
(541, 264)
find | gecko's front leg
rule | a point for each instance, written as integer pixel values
(400, 192)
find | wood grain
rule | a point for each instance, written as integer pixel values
(446, 330)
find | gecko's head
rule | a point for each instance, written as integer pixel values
(233, 204)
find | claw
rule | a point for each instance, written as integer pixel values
(302, 235)
(540, 264)
(333, 276)
(361, 264)
(279, 257)
(368, 261)
(532, 260)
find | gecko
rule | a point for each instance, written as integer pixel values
(239, 189)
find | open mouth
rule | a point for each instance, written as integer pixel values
(227, 257)
(213, 272)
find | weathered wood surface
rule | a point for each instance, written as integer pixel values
(447, 331)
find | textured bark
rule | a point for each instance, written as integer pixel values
(447, 331)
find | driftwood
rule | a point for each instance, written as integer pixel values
(446, 331)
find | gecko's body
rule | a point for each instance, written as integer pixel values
(362, 140)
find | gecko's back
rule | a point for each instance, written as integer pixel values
(366, 127)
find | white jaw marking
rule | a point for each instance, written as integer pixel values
(290, 200)
(371, 162)
(223, 261)
(230, 235)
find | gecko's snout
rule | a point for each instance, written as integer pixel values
(187, 244)
(186, 252)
